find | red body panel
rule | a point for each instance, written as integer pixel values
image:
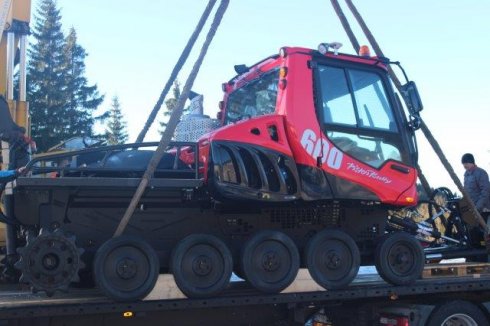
(307, 141)
(301, 136)
(204, 156)
(255, 131)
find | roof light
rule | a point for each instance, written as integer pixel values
(323, 47)
(364, 51)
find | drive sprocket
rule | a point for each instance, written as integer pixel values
(50, 261)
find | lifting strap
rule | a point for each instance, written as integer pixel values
(430, 138)
(355, 44)
(178, 66)
(173, 121)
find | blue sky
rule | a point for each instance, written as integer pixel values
(442, 44)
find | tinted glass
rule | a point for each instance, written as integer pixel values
(371, 110)
(370, 150)
(371, 101)
(337, 100)
(256, 98)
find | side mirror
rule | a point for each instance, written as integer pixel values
(412, 97)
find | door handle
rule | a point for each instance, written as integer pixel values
(400, 168)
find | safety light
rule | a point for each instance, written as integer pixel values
(409, 199)
(128, 314)
(364, 51)
(283, 72)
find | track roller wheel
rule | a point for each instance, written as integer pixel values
(50, 261)
(201, 265)
(126, 268)
(332, 258)
(270, 261)
(399, 259)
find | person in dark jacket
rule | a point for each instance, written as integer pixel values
(477, 186)
(476, 183)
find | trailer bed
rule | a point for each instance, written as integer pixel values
(20, 303)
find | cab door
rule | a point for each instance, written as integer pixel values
(355, 107)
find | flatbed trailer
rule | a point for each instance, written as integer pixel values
(368, 301)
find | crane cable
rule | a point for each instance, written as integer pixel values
(173, 121)
(396, 81)
(430, 138)
(345, 24)
(178, 66)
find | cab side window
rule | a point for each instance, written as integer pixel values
(337, 100)
(256, 98)
(356, 114)
(371, 102)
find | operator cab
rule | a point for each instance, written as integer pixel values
(334, 117)
(356, 112)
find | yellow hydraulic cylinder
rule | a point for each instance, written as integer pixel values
(22, 115)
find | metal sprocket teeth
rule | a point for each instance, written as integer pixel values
(23, 278)
(45, 231)
(20, 264)
(50, 261)
(29, 238)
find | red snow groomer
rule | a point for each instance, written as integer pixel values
(313, 125)
(313, 151)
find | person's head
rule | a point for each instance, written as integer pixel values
(468, 161)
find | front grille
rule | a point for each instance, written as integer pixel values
(296, 217)
(258, 170)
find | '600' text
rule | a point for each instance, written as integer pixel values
(320, 147)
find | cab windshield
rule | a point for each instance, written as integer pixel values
(256, 98)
